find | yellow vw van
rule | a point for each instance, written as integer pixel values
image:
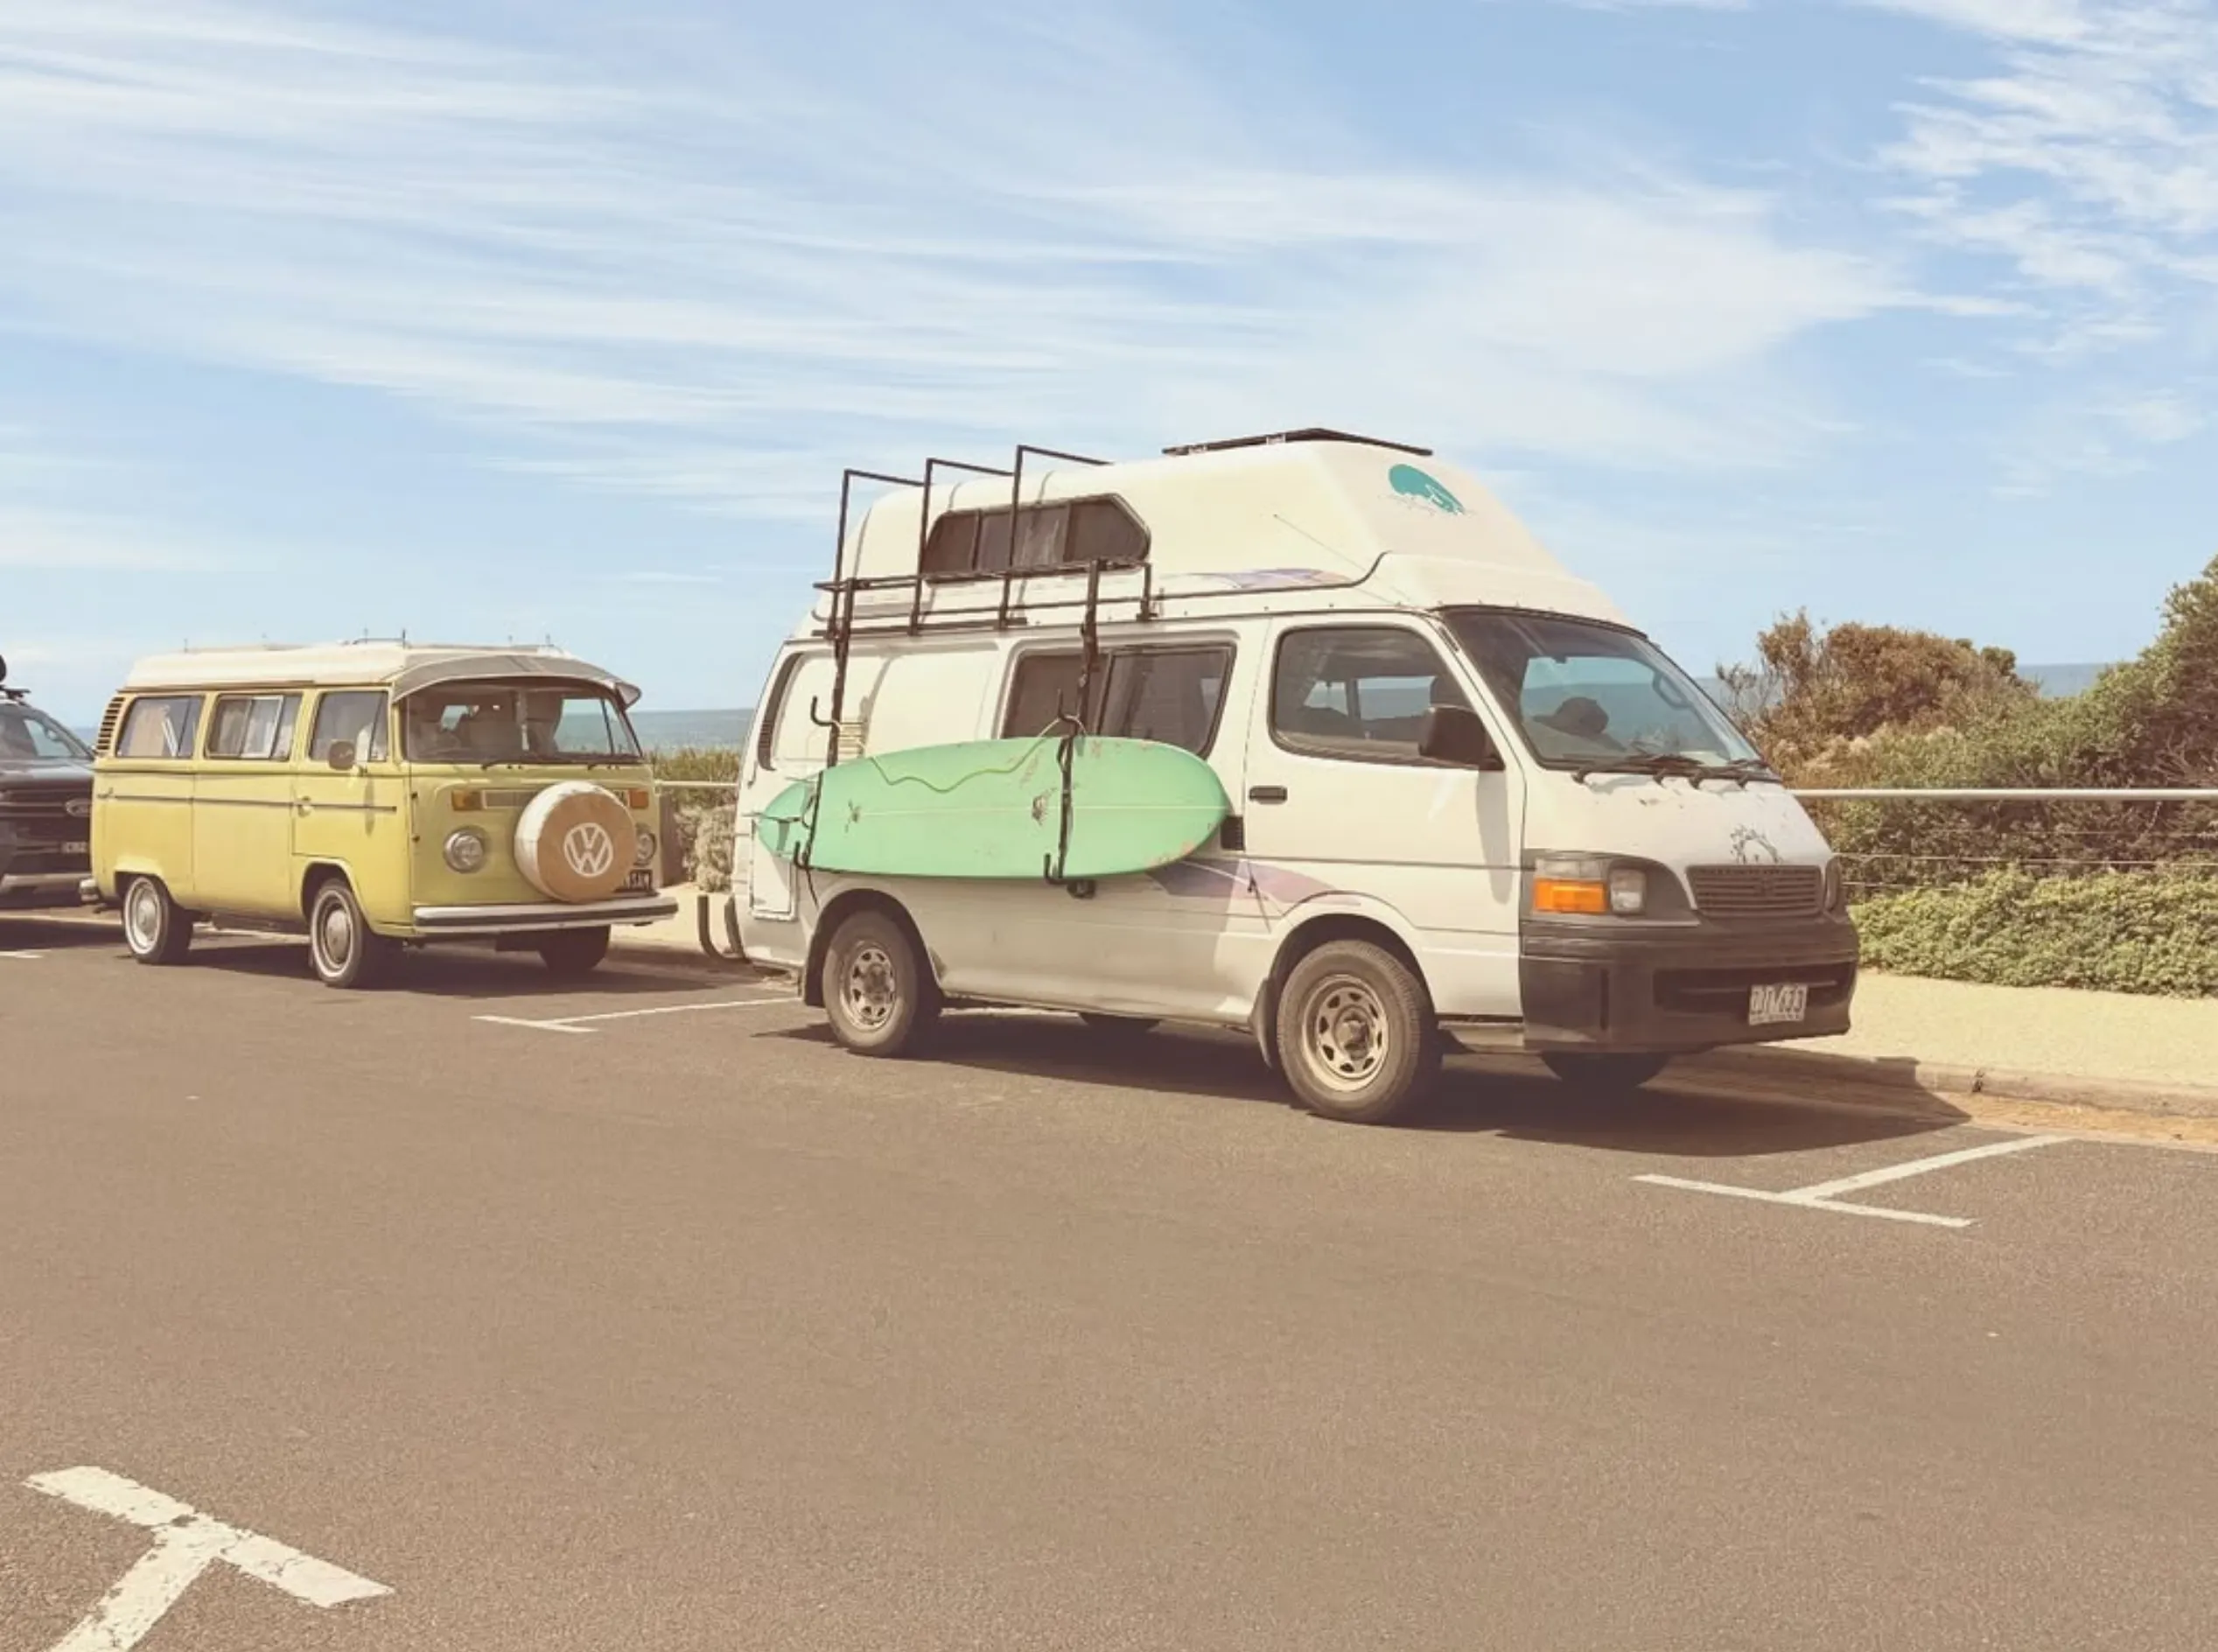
(378, 795)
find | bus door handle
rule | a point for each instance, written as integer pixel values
(1266, 793)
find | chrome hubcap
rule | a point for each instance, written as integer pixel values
(335, 936)
(870, 992)
(1345, 1034)
(144, 917)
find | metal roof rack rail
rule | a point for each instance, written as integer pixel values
(1280, 438)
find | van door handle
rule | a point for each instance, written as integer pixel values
(1266, 793)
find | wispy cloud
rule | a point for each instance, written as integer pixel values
(2084, 168)
(701, 265)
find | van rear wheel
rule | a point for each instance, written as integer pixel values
(347, 952)
(155, 930)
(1357, 1039)
(879, 994)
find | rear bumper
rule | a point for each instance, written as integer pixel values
(1608, 985)
(534, 918)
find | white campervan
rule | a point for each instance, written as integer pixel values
(1470, 801)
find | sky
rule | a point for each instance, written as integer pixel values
(537, 319)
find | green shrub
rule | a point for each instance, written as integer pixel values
(699, 763)
(2116, 932)
(702, 848)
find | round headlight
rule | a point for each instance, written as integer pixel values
(643, 851)
(465, 849)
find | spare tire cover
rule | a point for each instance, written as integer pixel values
(575, 841)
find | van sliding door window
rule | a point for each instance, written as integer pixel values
(254, 728)
(1170, 696)
(1358, 692)
(160, 728)
(356, 715)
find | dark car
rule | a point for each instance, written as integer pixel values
(45, 806)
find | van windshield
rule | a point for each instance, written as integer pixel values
(490, 723)
(1592, 697)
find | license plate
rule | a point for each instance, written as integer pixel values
(639, 882)
(1778, 1005)
(76, 849)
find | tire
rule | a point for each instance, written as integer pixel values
(570, 955)
(1356, 1037)
(879, 994)
(1605, 1075)
(155, 930)
(347, 953)
(1119, 1026)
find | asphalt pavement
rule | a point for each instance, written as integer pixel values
(480, 1314)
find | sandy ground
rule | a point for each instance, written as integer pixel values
(2105, 1035)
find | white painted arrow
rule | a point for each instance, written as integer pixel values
(186, 1542)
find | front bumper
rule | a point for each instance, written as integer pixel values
(1609, 985)
(538, 917)
(39, 890)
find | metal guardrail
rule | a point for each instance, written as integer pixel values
(2009, 794)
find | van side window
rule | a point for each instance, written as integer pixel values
(254, 728)
(1063, 533)
(1358, 692)
(160, 727)
(1172, 696)
(1045, 687)
(356, 715)
(767, 716)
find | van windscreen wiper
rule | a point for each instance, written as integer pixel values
(1662, 765)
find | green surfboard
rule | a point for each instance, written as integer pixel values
(994, 809)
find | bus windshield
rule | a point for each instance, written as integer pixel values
(490, 723)
(1592, 697)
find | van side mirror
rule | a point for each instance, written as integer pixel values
(1454, 734)
(340, 755)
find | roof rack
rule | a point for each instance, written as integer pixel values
(1312, 434)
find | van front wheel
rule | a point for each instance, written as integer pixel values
(1356, 1035)
(346, 950)
(879, 995)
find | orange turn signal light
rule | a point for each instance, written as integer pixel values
(640, 797)
(1569, 895)
(465, 802)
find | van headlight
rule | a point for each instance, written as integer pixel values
(643, 848)
(1589, 885)
(1836, 885)
(465, 849)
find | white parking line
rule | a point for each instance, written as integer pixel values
(186, 1542)
(577, 1023)
(1823, 1195)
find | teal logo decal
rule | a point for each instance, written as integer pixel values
(1412, 483)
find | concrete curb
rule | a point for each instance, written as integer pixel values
(1905, 1077)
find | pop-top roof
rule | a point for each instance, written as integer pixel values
(404, 668)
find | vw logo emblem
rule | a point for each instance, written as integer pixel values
(589, 849)
(80, 808)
